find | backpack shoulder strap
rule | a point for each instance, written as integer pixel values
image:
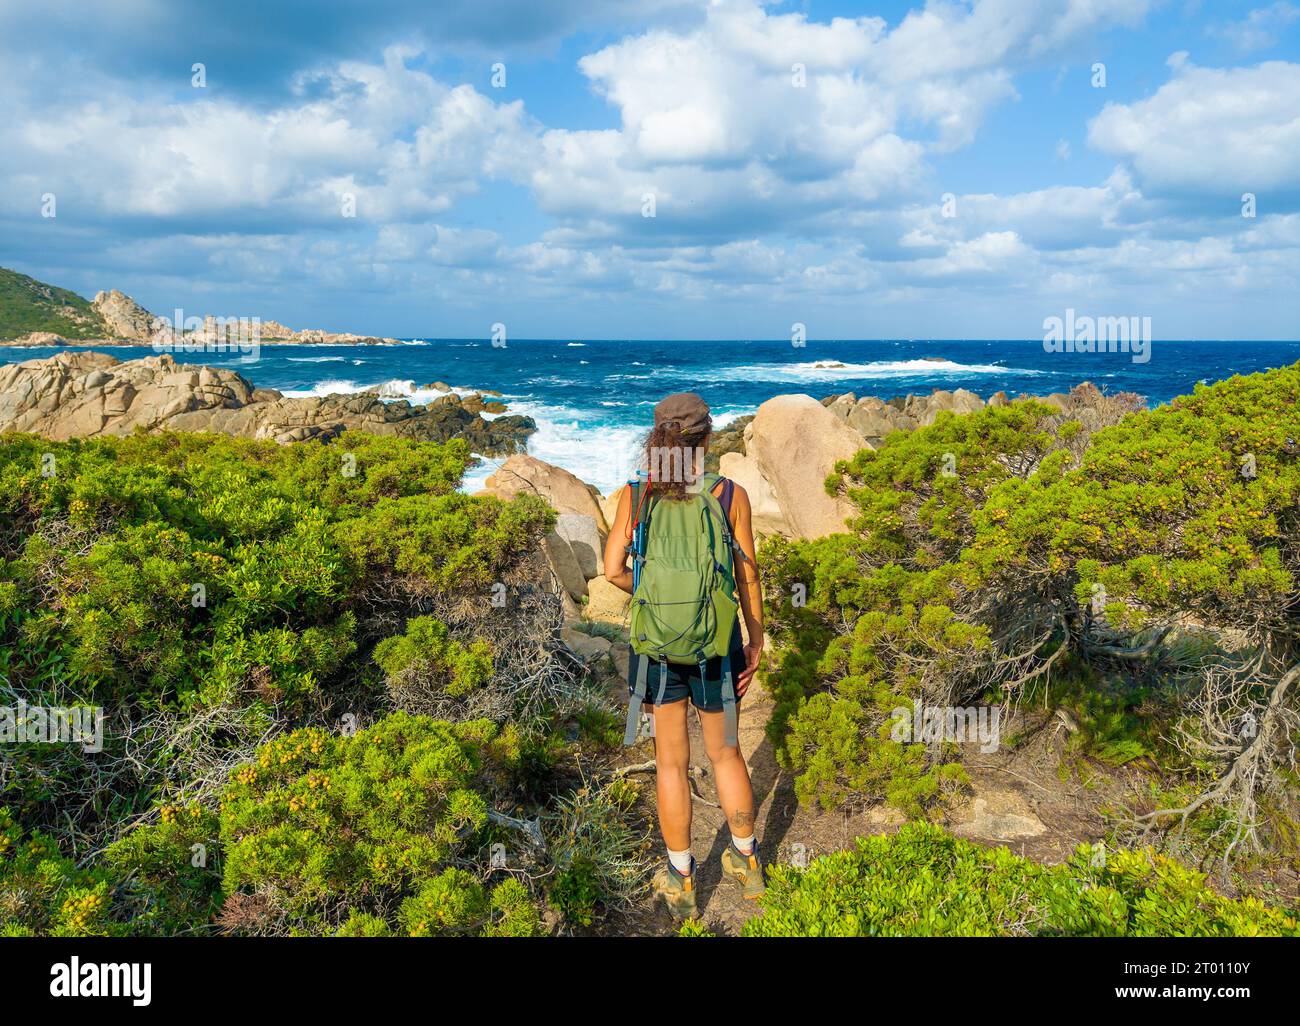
(724, 500)
(714, 509)
(728, 490)
(709, 483)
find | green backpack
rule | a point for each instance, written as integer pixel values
(683, 600)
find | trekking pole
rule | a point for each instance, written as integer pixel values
(638, 525)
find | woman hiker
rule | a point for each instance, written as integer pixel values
(692, 546)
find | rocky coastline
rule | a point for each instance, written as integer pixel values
(781, 454)
(87, 393)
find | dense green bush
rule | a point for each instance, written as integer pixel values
(925, 882)
(44, 893)
(992, 547)
(210, 593)
(200, 581)
(323, 822)
(426, 659)
(102, 558)
(379, 833)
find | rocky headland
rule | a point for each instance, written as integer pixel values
(83, 394)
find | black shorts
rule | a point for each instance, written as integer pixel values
(684, 678)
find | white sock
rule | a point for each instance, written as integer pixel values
(744, 845)
(681, 860)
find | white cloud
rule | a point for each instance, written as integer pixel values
(1210, 131)
(405, 145)
(790, 161)
(758, 121)
(1260, 29)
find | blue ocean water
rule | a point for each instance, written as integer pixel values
(592, 399)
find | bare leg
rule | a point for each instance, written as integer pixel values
(672, 785)
(735, 793)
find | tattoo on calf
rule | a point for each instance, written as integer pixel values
(741, 818)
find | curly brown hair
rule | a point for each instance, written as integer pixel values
(673, 459)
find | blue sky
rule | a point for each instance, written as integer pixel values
(780, 195)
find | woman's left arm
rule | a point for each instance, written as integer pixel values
(617, 571)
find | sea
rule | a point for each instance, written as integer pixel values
(592, 398)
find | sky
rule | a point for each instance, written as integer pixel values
(662, 168)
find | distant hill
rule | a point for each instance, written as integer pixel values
(28, 305)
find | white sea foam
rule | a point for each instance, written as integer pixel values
(394, 388)
(327, 387)
(423, 396)
(318, 359)
(724, 416)
(599, 450)
(833, 370)
(598, 444)
(476, 477)
(586, 443)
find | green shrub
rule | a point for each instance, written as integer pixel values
(599, 857)
(455, 902)
(924, 882)
(171, 872)
(363, 924)
(205, 591)
(318, 817)
(427, 656)
(43, 893)
(958, 587)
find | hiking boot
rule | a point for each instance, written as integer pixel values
(747, 870)
(678, 890)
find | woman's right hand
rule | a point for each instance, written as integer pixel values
(753, 656)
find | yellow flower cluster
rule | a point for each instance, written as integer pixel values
(78, 913)
(286, 750)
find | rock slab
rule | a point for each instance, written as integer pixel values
(796, 442)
